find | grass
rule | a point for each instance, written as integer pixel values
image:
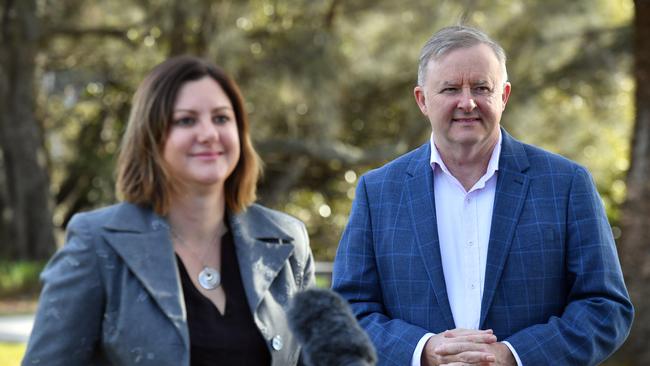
(19, 277)
(19, 287)
(11, 353)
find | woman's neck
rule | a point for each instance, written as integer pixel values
(197, 218)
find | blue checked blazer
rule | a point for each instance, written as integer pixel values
(553, 283)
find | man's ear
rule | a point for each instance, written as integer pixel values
(420, 99)
(506, 94)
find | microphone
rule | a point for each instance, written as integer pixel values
(329, 334)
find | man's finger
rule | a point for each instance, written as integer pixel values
(454, 348)
(470, 357)
(477, 338)
(459, 332)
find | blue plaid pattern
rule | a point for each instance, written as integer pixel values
(553, 283)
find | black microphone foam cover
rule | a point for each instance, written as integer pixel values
(329, 334)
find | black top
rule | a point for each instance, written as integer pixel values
(228, 339)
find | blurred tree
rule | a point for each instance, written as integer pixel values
(25, 221)
(635, 251)
(328, 85)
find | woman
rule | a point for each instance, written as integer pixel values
(186, 271)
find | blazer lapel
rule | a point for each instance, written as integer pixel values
(419, 189)
(262, 249)
(511, 190)
(141, 239)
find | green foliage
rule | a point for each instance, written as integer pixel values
(328, 86)
(18, 278)
(323, 282)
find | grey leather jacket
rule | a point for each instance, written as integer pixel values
(112, 294)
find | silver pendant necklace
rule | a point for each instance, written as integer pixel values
(209, 277)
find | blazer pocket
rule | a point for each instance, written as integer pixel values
(536, 237)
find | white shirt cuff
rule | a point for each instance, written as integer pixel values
(417, 354)
(512, 349)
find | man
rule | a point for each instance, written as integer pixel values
(476, 248)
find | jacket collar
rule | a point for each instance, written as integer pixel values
(142, 240)
(422, 209)
(262, 247)
(511, 190)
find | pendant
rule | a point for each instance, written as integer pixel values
(209, 278)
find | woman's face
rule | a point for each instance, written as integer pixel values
(202, 147)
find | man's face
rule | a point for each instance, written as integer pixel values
(463, 96)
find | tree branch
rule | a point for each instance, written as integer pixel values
(331, 14)
(76, 32)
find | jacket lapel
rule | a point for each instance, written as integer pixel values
(262, 248)
(511, 190)
(419, 189)
(141, 239)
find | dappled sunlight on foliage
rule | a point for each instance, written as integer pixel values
(328, 86)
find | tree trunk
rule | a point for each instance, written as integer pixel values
(179, 29)
(26, 216)
(634, 245)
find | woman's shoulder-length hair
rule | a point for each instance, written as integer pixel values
(142, 177)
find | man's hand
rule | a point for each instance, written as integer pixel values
(460, 346)
(503, 355)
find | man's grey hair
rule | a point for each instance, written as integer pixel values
(451, 38)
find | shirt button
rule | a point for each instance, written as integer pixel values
(277, 342)
(470, 243)
(473, 286)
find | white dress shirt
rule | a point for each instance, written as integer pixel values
(463, 219)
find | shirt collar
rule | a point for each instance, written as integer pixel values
(492, 168)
